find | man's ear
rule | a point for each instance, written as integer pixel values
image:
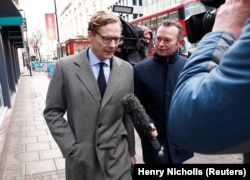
(90, 36)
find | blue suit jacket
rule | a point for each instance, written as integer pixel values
(210, 109)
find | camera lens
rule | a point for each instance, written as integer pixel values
(208, 20)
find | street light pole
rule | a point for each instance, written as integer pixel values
(26, 43)
(57, 30)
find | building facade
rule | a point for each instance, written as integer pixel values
(11, 39)
(73, 15)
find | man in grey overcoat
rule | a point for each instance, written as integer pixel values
(96, 137)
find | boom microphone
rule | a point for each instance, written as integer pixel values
(136, 112)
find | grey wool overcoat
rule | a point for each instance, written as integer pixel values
(96, 137)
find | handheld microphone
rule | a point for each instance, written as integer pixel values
(136, 112)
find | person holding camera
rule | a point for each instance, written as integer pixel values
(144, 42)
(209, 111)
(155, 79)
(135, 43)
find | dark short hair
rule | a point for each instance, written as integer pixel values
(171, 22)
(102, 18)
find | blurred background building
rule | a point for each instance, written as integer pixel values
(71, 18)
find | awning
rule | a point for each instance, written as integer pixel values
(11, 17)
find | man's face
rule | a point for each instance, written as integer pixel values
(166, 42)
(105, 41)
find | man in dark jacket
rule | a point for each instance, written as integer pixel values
(155, 80)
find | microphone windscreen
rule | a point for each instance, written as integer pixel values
(136, 112)
(138, 115)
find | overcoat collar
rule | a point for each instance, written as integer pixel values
(86, 76)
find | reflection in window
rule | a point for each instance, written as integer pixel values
(1, 99)
(140, 2)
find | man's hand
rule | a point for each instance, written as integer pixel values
(232, 16)
(154, 132)
(133, 160)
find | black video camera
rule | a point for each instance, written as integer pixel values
(132, 49)
(199, 24)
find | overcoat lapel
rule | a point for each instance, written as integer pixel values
(86, 75)
(113, 82)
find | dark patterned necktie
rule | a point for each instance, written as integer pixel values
(101, 79)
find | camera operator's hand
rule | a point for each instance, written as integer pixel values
(232, 16)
